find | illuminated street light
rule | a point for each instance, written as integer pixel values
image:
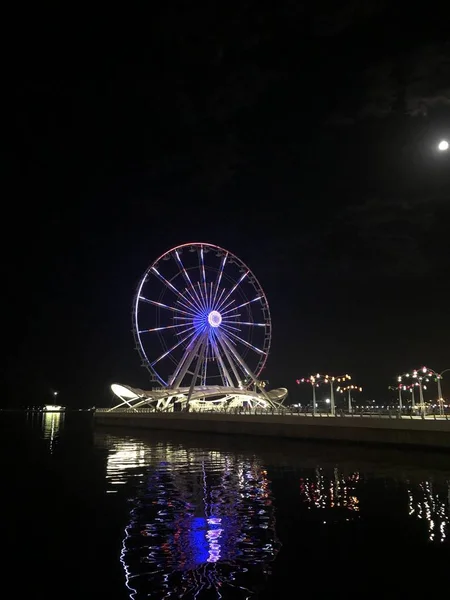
(443, 145)
(318, 379)
(441, 397)
(421, 377)
(402, 387)
(399, 387)
(350, 389)
(331, 379)
(437, 377)
(312, 380)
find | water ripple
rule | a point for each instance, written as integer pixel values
(202, 522)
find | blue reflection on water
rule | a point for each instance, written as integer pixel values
(200, 527)
(198, 531)
(202, 522)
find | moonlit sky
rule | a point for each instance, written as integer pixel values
(302, 138)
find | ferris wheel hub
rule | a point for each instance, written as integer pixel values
(214, 318)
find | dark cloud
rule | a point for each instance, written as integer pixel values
(381, 238)
(411, 83)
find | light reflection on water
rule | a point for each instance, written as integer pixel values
(51, 424)
(339, 492)
(202, 522)
(432, 507)
(338, 497)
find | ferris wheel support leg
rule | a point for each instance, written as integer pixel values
(186, 353)
(200, 359)
(226, 376)
(241, 362)
(230, 360)
(185, 363)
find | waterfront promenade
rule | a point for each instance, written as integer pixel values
(431, 431)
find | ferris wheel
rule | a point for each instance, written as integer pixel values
(201, 318)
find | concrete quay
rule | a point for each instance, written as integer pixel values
(419, 432)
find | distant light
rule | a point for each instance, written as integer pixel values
(443, 145)
(327, 401)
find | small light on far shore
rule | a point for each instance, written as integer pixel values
(443, 145)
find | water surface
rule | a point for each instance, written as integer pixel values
(115, 514)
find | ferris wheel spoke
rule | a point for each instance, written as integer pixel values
(210, 298)
(174, 347)
(236, 285)
(226, 326)
(191, 328)
(195, 298)
(216, 302)
(188, 307)
(223, 313)
(160, 304)
(203, 300)
(243, 323)
(225, 320)
(203, 274)
(170, 285)
(226, 306)
(187, 279)
(228, 317)
(239, 339)
(177, 326)
(219, 278)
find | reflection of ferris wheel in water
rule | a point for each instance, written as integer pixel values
(201, 318)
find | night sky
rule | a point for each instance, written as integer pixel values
(300, 136)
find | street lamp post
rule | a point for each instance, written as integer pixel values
(422, 402)
(438, 377)
(314, 383)
(318, 379)
(331, 379)
(413, 402)
(440, 396)
(402, 386)
(421, 376)
(399, 387)
(424, 374)
(418, 376)
(349, 389)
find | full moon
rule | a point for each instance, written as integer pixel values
(443, 145)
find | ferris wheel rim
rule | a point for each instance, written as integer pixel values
(146, 362)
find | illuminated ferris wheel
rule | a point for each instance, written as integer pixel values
(201, 318)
